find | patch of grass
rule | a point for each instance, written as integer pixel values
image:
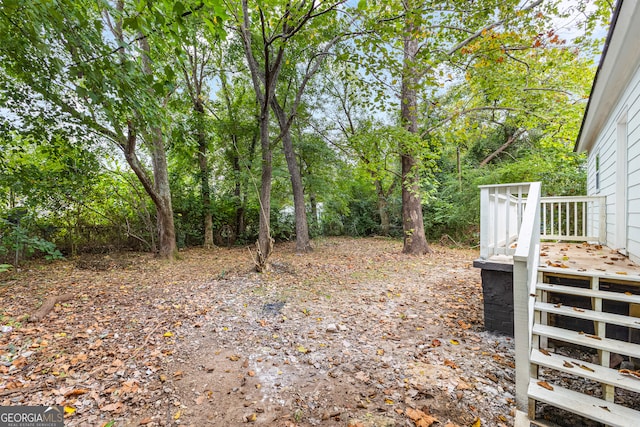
(368, 275)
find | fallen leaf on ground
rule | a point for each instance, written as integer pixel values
(112, 407)
(420, 418)
(450, 364)
(463, 324)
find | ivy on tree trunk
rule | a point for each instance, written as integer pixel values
(415, 241)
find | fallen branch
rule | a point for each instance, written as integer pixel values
(444, 237)
(144, 344)
(48, 305)
(23, 390)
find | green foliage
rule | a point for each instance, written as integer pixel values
(76, 85)
(353, 209)
(16, 239)
(50, 173)
(455, 209)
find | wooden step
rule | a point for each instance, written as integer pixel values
(605, 276)
(586, 370)
(587, 406)
(607, 344)
(581, 313)
(572, 290)
(522, 420)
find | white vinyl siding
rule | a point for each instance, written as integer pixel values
(605, 148)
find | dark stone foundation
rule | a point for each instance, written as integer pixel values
(497, 289)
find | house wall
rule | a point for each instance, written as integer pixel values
(606, 147)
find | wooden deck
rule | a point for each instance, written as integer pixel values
(582, 258)
(589, 258)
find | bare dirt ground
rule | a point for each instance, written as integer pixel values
(353, 334)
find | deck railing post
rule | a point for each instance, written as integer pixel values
(602, 221)
(484, 222)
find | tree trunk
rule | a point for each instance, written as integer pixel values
(237, 193)
(265, 242)
(164, 207)
(385, 225)
(415, 241)
(314, 211)
(204, 175)
(302, 226)
(267, 77)
(160, 191)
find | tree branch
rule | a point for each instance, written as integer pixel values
(487, 28)
(503, 147)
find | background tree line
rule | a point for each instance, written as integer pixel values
(154, 125)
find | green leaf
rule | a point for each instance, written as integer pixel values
(131, 23)
(158, 88)
(178, 8)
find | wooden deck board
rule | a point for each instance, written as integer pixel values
(585, 369)
(593, 408)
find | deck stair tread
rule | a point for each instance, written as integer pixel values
(588, 274)
(581, 313)
(591, 407)
(590, 293)
(583, 369)
(606, 344)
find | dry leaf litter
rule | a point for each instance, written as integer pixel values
(354, 333)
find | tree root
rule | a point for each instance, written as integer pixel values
(260, 258)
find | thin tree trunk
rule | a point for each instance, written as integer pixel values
(166, 228)
(237, 192)
(385, 225)
(415, 241)
(204, 176)
(268, 78)
(314, 211)
(265, 242)
(158, 190)
(161, 191)
(302, 226)
(195, 75)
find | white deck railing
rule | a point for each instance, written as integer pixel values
(573, 218)
(501, 209)
(567, 218)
